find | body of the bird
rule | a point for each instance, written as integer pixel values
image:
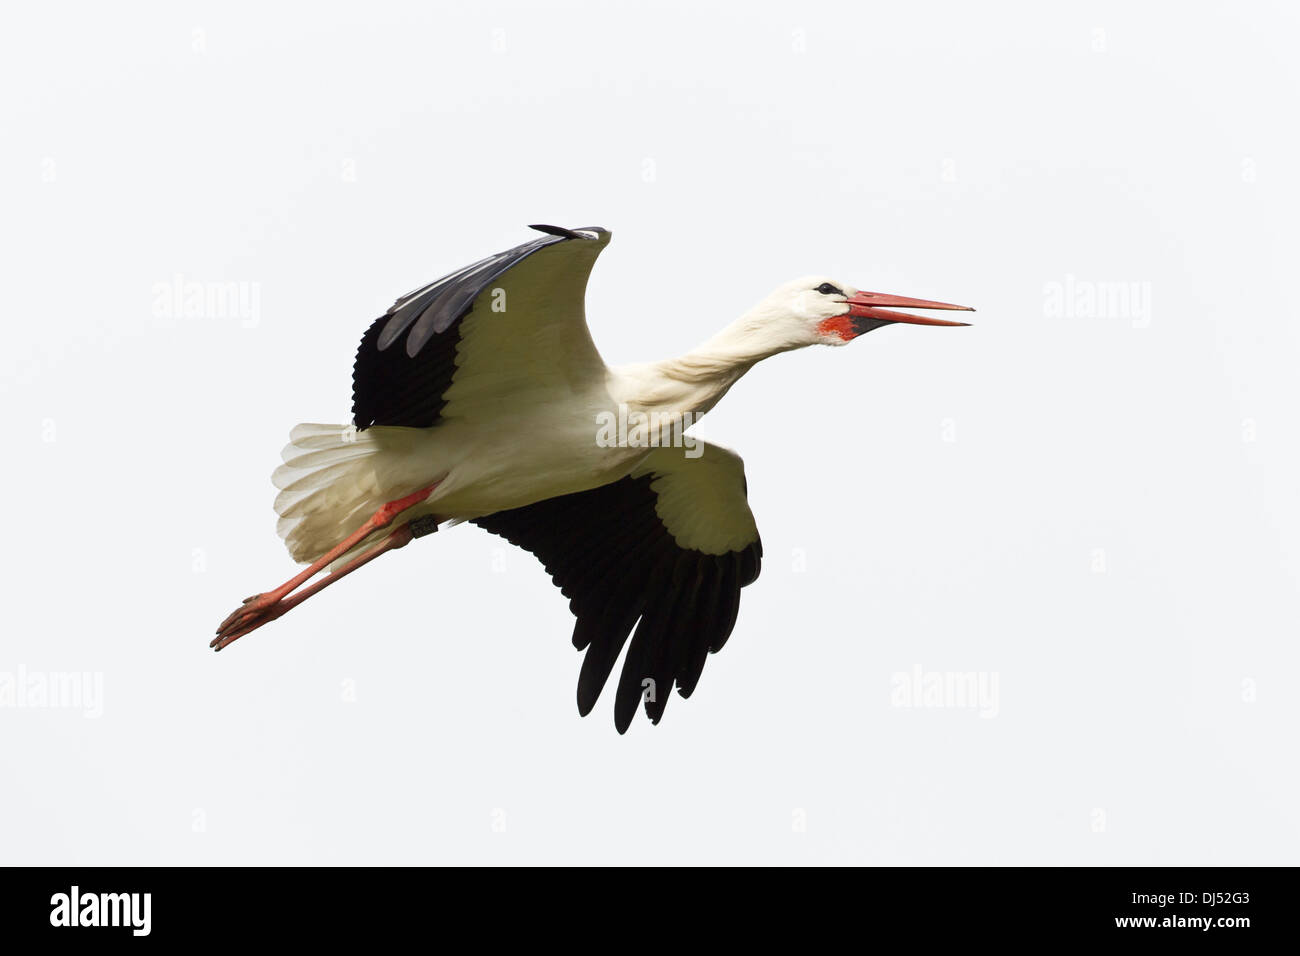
(544, 449)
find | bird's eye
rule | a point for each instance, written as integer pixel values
(827, 289)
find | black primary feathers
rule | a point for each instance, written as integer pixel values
(609, 553)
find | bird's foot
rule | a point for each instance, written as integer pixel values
(253, 613)
(266, 607)
(263, 608)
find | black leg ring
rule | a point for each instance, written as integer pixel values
(425, 524)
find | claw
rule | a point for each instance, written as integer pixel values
(245, 620)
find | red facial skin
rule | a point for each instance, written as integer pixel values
(841, 325)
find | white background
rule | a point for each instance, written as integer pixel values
(1096, 506)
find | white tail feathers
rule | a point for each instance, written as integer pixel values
(328, 486)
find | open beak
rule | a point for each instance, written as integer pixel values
(870, 310)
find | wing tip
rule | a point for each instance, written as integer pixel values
(587, 232)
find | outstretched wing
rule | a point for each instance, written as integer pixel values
(506, 324)
(672, 544)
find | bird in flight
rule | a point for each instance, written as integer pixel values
(481, 397)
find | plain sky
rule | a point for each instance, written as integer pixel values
(1084, 505)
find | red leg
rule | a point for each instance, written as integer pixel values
(246, 625)
(258, 605)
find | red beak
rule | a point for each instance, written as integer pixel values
(877, 305)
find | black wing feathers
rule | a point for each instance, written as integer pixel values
(613, 558)
(391, 388)
(408, 355)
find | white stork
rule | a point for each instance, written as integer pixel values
(481, 397)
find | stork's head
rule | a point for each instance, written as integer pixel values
(817, 310)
